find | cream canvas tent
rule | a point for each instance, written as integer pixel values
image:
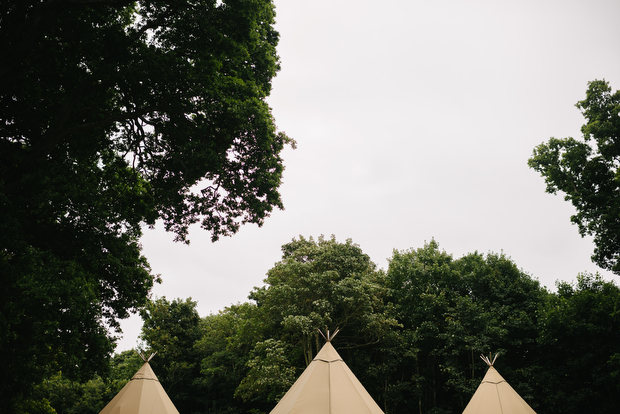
(327, 386)
(495, 396)
(143, 394)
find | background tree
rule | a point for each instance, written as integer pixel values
(320, 284)
(270, 372)
(579, 336)
(116, 114)
(588, 172)
(414, 336)
(325, 283)
(172, 329)
(226, 347)
(452, 311)
(62, 395)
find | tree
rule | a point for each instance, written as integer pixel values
(588, 172)
(73, 397)
(325, 283)
(171, 329)
(116, 114)
(229, 339)
(579, 336)
(452, 311)
(270, 373)
(317, 284)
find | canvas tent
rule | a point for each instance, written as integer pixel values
(327, 386)
(495, 396)
(141, 395)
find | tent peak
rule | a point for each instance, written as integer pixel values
(327, 337)
(143, 394)
(327, 386)
(494, 395)
(144, 357)
(489, 360)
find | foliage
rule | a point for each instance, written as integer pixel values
(116, 114)
(123, 366)
(453, 311)
(34, 406)
(411, 335)
(171, 329)
(227, 343)
(270, 372)
(579, 336)
(588, 172)
(65, 396)
(72, 397)
(320, 284)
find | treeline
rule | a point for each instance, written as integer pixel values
(412, 335)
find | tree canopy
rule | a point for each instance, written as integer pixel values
(453, 310)
(117, 114)
(321, 283)
(587, 171)
(579, 339)
(411, 335)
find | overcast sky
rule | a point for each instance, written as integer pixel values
(414, 120)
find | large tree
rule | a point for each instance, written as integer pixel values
(228, 341)
(587, 171)
(171, 329)
(579, 337)
(317, 284)
(116, 114)
(323, 283)
(453, 310)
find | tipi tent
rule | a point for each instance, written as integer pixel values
(141, 395)
(327, 386)
(495, 396)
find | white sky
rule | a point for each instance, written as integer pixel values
(414, 120)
